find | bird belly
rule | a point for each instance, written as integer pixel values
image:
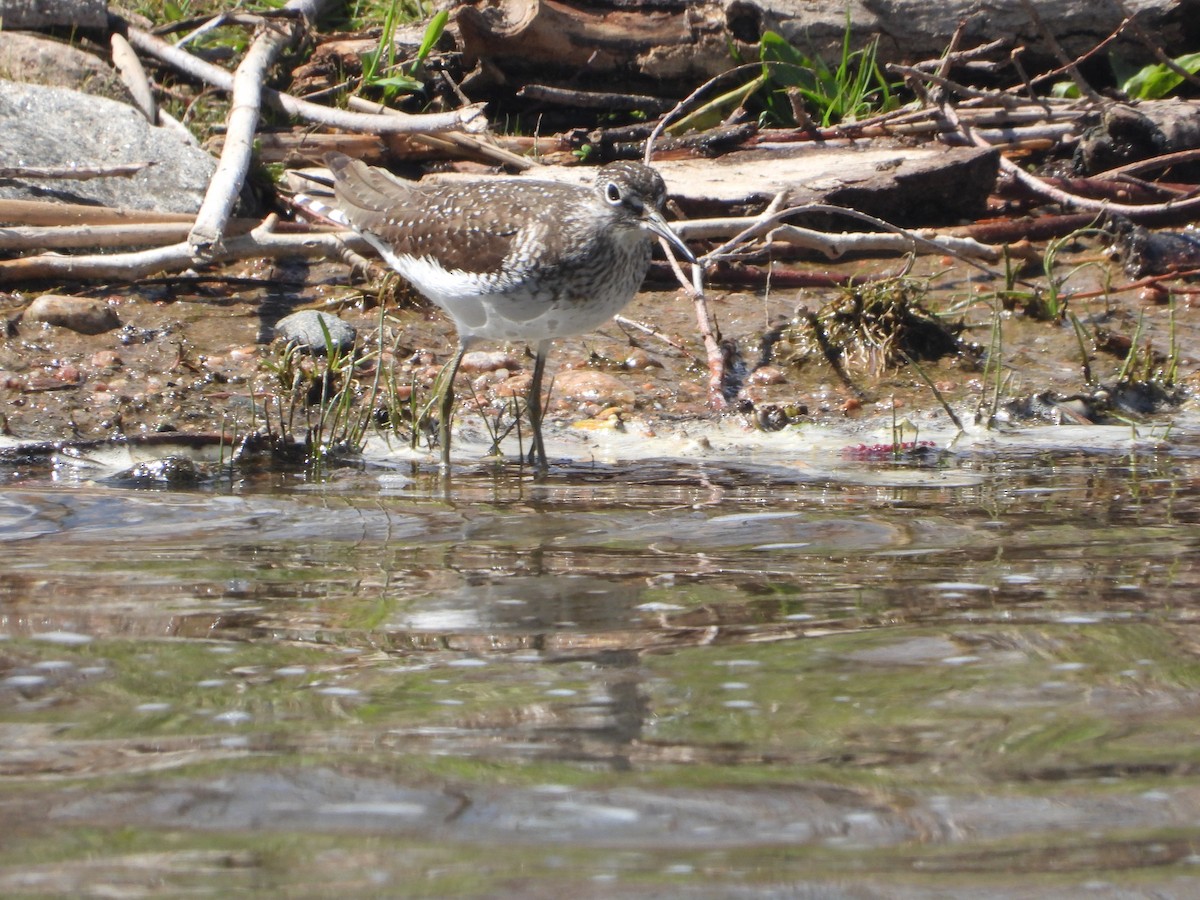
(524, 306)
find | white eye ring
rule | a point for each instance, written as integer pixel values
(612, 193)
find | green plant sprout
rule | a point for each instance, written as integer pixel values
(380, 70)
(1150, 82)
(852, 90)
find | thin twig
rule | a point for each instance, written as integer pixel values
(920, 370)
(445, 140)
(1155, 47)
(1155, 162)
(594, 99)
(998, 97)
(1071, 68)
(953, 56)
(1063, 69)
(75, 173)
(836, 246)
(649, 329)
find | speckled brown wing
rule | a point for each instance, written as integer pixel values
(458, 225)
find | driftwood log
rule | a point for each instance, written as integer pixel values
(666, 47)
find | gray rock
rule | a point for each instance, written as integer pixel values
(304, 330)
(35, 59)
(42, 126)
(42, 14)
(83, 314)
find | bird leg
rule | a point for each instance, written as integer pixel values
(444, 397)
(537, 453)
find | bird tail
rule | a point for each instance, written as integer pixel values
(320, 209)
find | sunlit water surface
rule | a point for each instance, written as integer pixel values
(969, 675)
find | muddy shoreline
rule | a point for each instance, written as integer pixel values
(198, 358)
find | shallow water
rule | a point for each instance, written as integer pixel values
(969, 674)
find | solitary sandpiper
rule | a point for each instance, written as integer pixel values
(511, 259)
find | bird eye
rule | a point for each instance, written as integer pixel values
(613, 193)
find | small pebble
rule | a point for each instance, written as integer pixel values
(516, 386)
(489, 361)
(590, 385)
(768, 375)
(1154, 293)
(85, 315)
(106, 359)
(639, 360)
(304, 330)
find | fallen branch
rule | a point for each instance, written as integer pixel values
(836, 246)
(133, 76)
(73, 237)
(469, 118)
(774, 216)
(50, 212)
(234, 164)
(1067, 200)
(1043, 189)
(259, 243)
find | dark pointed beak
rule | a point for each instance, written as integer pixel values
(655, 222)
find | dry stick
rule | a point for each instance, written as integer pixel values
(710, 334)
(953, 56)
(835, 246)
(999, 97)
(469, 119)
(1054, 73)
(234, 164)
(1068, 200)
(450, 139)
(1002, 136)
(594, 99)
(49, 212)
(709, 331)
(1030, 90)
(75, 236)
(943, 69)
(1148, 281)
(649, 329)
(261, 242)
(133, 76)
(1155, 162)
(215, 22)
(773, 216)
(75, 173)
(1155, 48)
(1072, 69)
